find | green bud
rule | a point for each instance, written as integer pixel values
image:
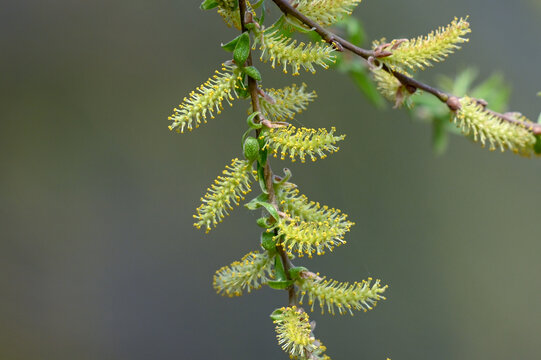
(250, 148)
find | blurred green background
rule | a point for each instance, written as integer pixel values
(98, 256)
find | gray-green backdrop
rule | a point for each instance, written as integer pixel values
(98, 256)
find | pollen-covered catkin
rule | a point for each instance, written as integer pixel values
(423, 51)
(286, 102)
(226, 190)
(281, 50)
(301, 142)
(344, 296)
(325, 12)
(294, 332)
(252, 271)
(206, 100)
(487, 127)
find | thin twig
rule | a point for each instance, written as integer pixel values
(410, 83)
(253, 89)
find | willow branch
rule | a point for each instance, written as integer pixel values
(254, 96)
(409, 83)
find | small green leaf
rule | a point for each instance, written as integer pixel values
(263, 222)
(230, 46)
(271, 209)
(276, 314)
(537, 146)
(539, 119)
(243, 93)
(253, 73)
(242, 49)
(295, 272)
(267, 241)
(280, 284)
(279, 269)
(255, 203)
(261, 178)
(250, 121)
(262, 201)
(208, 4)
(262, 161)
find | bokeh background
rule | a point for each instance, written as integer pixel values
(98, 256)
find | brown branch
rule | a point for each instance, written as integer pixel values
(409, 82)
(253, 89)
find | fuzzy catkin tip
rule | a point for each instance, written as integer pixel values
(206, 100)
(226, 190)
(486, 127)
(252, 271)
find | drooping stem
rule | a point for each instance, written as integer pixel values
(254, 96)
(410, 83)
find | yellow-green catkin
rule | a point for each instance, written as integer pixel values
(423, 51)
(301, 142)
(311, 237)
(487, 127)
(281, 50)
(325, 12)
(343, 296)
(206, 100)
(294, 334)
(227, 190)
(252, 271)
(286, 102)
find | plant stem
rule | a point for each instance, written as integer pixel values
(253, 90)
(409, 82)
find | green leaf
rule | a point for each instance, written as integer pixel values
(230, 46)
(539, 119)
(271, 209)
(279, 269)
(262, 201)
(250, 121)
(261, 178)
(280, 284)
(276, 314)
(295, 272)
(263, 222)
(208, 4)
(253, 73)
(267, 241)
(242, 49)
(262, 161)
(537, 146)
(255, 203)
